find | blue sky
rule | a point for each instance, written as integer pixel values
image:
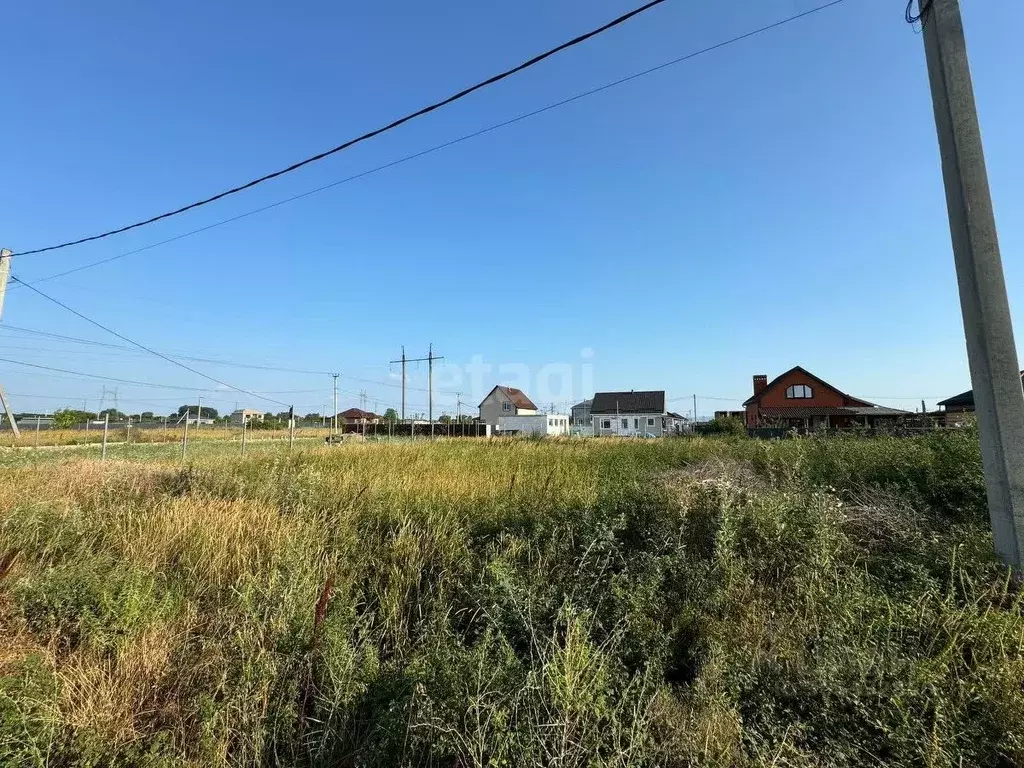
(773, 203)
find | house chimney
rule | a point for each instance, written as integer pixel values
(760, 384)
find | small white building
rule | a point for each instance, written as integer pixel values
(504, 402)
(543, 424)
(245, 416)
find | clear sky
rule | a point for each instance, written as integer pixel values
(773, 203)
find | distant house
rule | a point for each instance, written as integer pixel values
(581, 414)
(676, 423)
(246, 416)
(505, 401)
(358, 417)
(964, 402)
(740, 415)
(551, 424)
(634, 413)
(800, 400)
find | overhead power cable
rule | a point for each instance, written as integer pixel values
(376, 132)
(217, 361)
(446, 144)
(162, 356)
(182, 387)
(98, 376)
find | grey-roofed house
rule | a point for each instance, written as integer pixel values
(581, 414)
(633, 413)
(964, 402)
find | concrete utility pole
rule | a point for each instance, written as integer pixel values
(402, 361)
(184, 438)
(334, 417)
(5, 272)
(430, 358)
(991, 351)
(199, 413)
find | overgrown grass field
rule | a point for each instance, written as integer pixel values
(830, 602)
(116, 434)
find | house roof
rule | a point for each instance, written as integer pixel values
(805, 372)
(965, 398)
(517, 396)
(583, 404)
(358, 413)
(629, 402)
(805, 411)
(675, 415)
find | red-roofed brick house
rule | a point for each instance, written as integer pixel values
(358, 416)
(798, 399)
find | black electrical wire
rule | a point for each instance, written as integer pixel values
(914, 18)
(351, 142)
(451, 142)
(162, 356)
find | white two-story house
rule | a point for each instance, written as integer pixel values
(505, 401)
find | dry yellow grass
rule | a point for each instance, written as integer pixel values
(507, 602)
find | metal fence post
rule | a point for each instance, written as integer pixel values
(243, 434)
(106, 424)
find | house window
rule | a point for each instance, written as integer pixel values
(551, 422)
(650, 422)
(798, 392)
(506, 406)
(606, 424)
(625, 423)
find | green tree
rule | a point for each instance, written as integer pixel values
(390, 416)
(207, 412)
(69, 417)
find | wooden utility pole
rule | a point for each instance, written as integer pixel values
(991, 351)
(5, 273)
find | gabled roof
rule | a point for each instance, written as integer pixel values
(629, 402)
(358, 413)
(517, 396)
(966, 398)
(805, 372)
